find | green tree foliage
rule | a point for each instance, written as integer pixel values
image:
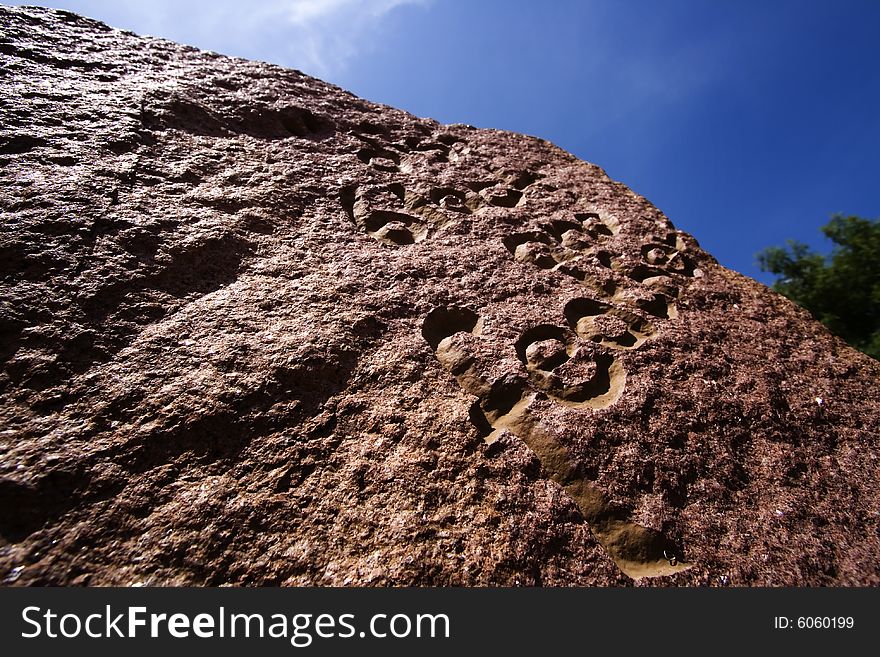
(841, 290)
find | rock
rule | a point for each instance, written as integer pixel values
(256, 330)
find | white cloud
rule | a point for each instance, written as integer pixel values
(331, 33)
(321, 37)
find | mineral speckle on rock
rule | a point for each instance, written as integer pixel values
(256, 330)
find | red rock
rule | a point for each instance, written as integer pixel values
(256, 330)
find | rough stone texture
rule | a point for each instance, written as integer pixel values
(256, 330)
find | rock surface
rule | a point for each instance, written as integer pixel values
(256, 330)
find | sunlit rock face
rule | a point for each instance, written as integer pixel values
(256, 330)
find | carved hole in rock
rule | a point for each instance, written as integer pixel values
(586, 380)
(380, 218)
(558, 228)
(593, 225)
(641, 273)
(532, 247)
(638, 326)
(454, 203)
(655, 254)
(449, 199)
(360, 201)
(442, 323)
(679, 263)
(576, 377)
(438, 193)
(449, 139)
(606, 328)
(502, 197)
(397, 189)
(604, 258)
(434, 152)
(382, 160)
(541, 333)
(611, 327)
(395, 227)
(536, 253)
(396, 234)
(663, 286)
(658, 305)
(687, 267)
(603, 384)
(524, 179)
(573, 270)
(546, 354)
(668, 257)
(171, 111)
(580, 307)
(366, 154)
(512, 241)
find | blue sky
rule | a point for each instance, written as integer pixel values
(746, 122)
